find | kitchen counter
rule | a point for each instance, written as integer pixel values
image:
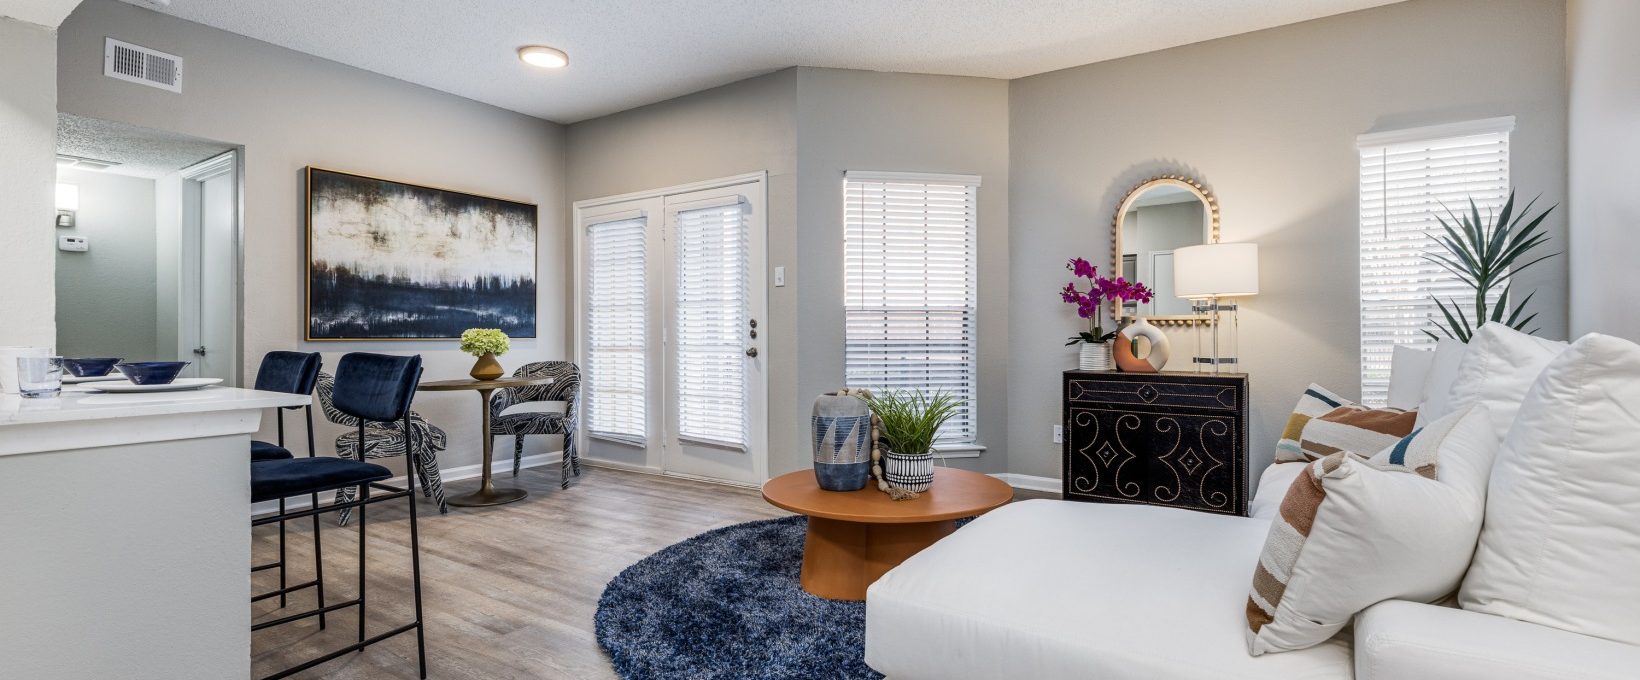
(124, 533)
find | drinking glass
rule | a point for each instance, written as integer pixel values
(39, 376)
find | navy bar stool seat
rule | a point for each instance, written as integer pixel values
(261, 451)
(275, 479)
(369, 387)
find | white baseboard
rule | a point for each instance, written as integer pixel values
(501, 465)
(1031, 482)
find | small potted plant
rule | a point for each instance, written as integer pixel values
(1090, 305)
(486, 344)
(908, 421)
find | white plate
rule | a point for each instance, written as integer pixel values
(75, 380)
(174, 386)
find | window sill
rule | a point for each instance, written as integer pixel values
(959, 451)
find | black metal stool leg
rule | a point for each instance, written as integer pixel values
(318, 546)
(283, 602)
(364, 495)
(415, 550)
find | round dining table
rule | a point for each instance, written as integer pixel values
(487, 493)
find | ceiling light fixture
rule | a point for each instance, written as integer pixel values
(543, 56)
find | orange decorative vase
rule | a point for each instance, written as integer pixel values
(487, 368)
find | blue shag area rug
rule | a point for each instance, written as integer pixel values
(727, 604)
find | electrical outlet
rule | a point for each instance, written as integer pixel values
(1059, 434)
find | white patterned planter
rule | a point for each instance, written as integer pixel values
(1095, 356)
(911, 472)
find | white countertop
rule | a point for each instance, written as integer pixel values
(76, 405)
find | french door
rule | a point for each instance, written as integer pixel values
(672, 291)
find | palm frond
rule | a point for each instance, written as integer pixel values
(1484, 253)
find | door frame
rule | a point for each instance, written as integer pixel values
(188, 284)
(580, 210)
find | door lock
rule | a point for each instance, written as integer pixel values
(751, 352)
(200, 350)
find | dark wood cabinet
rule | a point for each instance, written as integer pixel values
(1173, 439)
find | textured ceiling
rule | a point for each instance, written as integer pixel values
(140, 151)
(627, 53)
(48, 13)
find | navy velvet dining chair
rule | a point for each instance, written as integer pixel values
(291, 373)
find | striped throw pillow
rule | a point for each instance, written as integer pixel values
(1354, 531)
(1324, 423)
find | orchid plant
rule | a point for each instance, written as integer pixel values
(1090, 304)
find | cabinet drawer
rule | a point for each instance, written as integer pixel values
(1204, 394)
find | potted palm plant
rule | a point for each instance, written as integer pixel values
(1485, 254)
(908, 422)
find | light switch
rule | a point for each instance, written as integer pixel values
(779, 277)
(73, 244)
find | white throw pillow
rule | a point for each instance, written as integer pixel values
(1408, 373)
(1498, 368)
(1561, 546)
(1272, 487)
(1353, 532)
(1437, 392)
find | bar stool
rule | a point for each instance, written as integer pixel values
(292, 373)
(370, 387)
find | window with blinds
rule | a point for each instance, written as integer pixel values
(713, 293)
(909, 292)
(1409, 177)
(615, 313)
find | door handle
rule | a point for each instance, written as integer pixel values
(751, 352)
(200, 350)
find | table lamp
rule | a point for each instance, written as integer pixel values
(1204, 274)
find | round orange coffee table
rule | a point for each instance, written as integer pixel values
(857, 536)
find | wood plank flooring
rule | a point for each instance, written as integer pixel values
(508, 591)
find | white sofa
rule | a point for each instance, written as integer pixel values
(1047, 589)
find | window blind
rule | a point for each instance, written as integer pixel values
(615, 313)
(713, 293)
(909, 292)
(1407, 179)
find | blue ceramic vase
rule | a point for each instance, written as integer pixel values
(842, 442)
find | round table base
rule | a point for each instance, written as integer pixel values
(841, 559)
(487, 496)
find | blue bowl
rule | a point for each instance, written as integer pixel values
(152, 372)
(90, 368)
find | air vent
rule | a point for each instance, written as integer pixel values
(82, 163)
(138, 64)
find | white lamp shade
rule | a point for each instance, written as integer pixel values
(68, 197)
(1216, 270)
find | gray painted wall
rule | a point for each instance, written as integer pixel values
(291, 110)
(1268, 121)
(28, 144)
(894, 122)
(840, 120)
(738, 128)
(106, 296)
(1604, 67)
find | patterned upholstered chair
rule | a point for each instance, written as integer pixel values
(385, 440)
(565, 387)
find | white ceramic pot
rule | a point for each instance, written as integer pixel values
(912, 472)
(1095, 356)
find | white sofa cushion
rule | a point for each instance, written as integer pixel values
(1398, 640)
(1561, 545)
(1443, 370)
(1498, 368)
(1354, 532)
(1408, 373)
(1057, 589)
(1272, 487)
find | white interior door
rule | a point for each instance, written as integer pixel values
(673, 292)
(208, 312)
(1161, 277)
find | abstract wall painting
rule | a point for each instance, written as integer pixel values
(388, 260)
